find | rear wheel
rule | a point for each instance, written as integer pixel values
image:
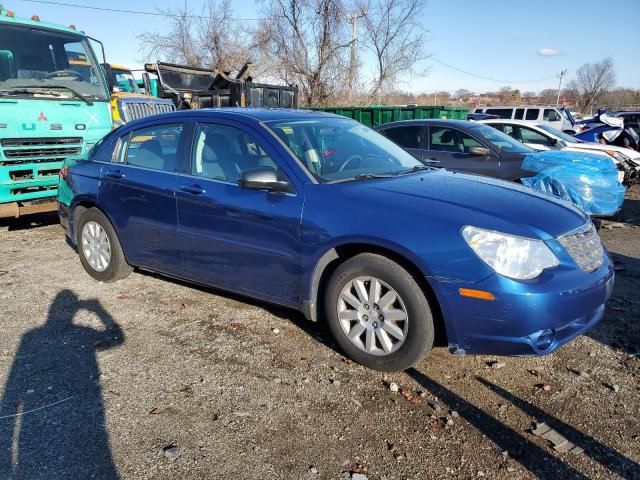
(378, 313)
(99, 249)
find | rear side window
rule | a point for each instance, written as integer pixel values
(446, 139)
(501, 112)
(519, 114)
(550, 115)
(532, 113)
(478, 110)
(406, 137)
(155, 147)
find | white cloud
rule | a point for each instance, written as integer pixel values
(548, 52)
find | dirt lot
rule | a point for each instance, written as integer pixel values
(98, 380)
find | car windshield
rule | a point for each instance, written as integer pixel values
(501, 140)
(557, 133)
(39, 63)
(335, 149)
(125, 80)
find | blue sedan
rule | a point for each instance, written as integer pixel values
(322, 214)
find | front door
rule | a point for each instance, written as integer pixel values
(137, 192)
(237, 238)
(449, 148)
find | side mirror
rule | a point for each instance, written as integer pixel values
(479, 151)
(111, 83)
(552, 141)
(146, 81)
(263, 178)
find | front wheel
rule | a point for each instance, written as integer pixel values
(378, 313)
(99, 249)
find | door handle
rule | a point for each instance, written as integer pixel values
(431, 160)
(114, 174)
(193, 189)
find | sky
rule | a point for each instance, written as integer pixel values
(521, 43)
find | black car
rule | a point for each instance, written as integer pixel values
(481, 116)
(461, 145)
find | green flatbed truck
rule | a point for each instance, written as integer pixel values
(50, 109)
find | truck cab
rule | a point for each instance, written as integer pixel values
(129, 101)
(54, 104)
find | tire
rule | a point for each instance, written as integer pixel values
(101, 268)
(358, 274)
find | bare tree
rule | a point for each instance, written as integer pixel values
(308, 41)
(211, 38)
(394, 34)
(592, 80)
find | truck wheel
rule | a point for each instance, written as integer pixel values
(378, 313)
(99, 249)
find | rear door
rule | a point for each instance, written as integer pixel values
(237, 238)
(449, 148)
(137, 194)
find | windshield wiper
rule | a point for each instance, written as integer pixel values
(367, 176)
(82, 97)
(417, 168)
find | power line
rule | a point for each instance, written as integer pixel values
(489, 78)
(135, 12)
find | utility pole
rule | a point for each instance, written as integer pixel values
(352, 18)
(562, 74)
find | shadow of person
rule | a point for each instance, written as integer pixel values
(539, 462)
(52, 422)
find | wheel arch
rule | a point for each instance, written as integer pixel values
(333, 257)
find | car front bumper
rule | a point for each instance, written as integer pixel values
(526, 318)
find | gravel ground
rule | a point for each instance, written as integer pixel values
(151, 378)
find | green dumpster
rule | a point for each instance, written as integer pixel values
(377, 115)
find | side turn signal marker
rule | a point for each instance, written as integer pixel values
(480, 294)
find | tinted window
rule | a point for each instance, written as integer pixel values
(519, 114)
(406, 137)
(153, 147)
(550, 115)
(501, 112)
(221, 152)
(478, 110)
(446, 139)
(532, 113)
(502, 141)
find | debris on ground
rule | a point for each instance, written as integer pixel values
(393, 387)
(172, 452)
(496, 365)
(559, 442)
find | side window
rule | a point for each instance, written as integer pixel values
(550, 115)
(406, 137)
(504, 128)
(532, 113)
(519, 114)
(501, 112)
(531, 136)
(153, 147)
(478, 110)
(451, 140)
(222, 153)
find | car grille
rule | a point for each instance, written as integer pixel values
(132, 110)
(584, 247)
(35, 150)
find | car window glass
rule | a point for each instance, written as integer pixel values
(532, 113)
(519, 114)
(446, 139)
(531, 136)
(550, 115)
(406, 137)
(154, 147)
(120, 149)
(501, 112)
(221, 152)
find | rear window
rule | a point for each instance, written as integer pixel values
(519, 114)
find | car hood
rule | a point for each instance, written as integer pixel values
(445, 197)
(632, 154)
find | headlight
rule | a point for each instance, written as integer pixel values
(514, 257)
(620, 157)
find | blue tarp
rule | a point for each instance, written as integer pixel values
(587, 180)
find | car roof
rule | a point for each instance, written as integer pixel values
(257, 114)
(431, 121)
